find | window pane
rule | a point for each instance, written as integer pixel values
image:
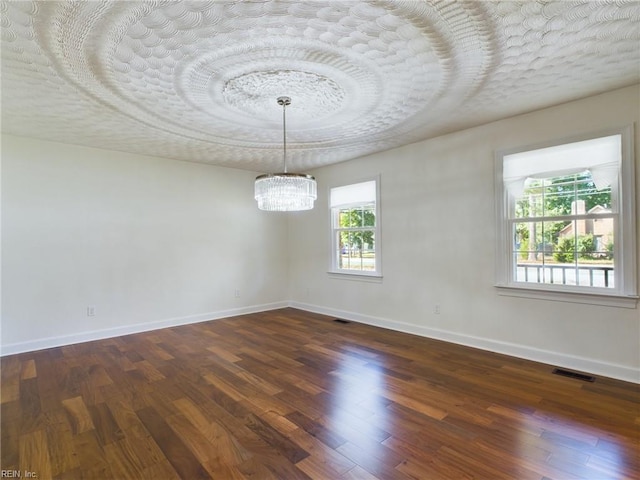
(590, 199)
(368, 250)
(527, 239)
(358, 217)
(595, 255)
(369, 217)
(357, 250)
(603, 238)
(343, 250)
(347, 251)
(535, 250)
(579, 252)
(559, 195)
(531, 202)
(344, 218)
(575, 194)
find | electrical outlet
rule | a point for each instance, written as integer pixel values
(436, 309)
(91, 311)
(237, 293)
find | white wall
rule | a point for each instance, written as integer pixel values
(438, 237)
(149, 242)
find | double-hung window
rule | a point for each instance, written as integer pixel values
(566, 218)
(355, 227)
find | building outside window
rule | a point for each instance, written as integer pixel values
(355, 226)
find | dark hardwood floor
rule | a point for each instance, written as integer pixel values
(290, 394)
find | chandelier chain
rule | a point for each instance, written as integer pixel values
(284, 101)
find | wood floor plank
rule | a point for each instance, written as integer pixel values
(433, 467)
(282, 444)
(29, 369)
(315, 429)
(106, 426)
(123, 461)
(79, 416)
(30, 406)
(162, 470)
(93, 460)
(149, 371)
(323, 461)
(10, 368)
(62, 453)
(10, 434)
(358, 473)
(288, 394)
(123, 413)
(144, 449)
(34, 455)
(271, 466)
(378, 460)
(181, 458)
(227, 449)
(359, 431)
(205, 451)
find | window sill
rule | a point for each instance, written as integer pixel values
(608, 300)
(356, 276)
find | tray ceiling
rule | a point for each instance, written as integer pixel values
(198, 80)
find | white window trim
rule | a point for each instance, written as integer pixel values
(334, 271)
(626, 293)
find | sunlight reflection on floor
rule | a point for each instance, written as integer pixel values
(557, 446)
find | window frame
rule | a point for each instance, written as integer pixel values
(334, 269)
(625, 293)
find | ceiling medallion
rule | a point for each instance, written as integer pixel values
(322, 95)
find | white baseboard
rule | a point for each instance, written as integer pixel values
(49, 342)
(582, 364)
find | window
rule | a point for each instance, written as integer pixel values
(566, 219)
(355, 227)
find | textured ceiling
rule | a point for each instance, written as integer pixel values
(198, 80)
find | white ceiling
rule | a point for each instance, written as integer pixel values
(198, 80)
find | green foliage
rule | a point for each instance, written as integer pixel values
(524, 248)
(610, 251)
(559, 194)
(553, 231)
(522, 231)
(357, 218)
(356, 240)
(564, 252)
(553, 196)
(586, 246)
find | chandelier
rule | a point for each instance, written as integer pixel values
(285, 192)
